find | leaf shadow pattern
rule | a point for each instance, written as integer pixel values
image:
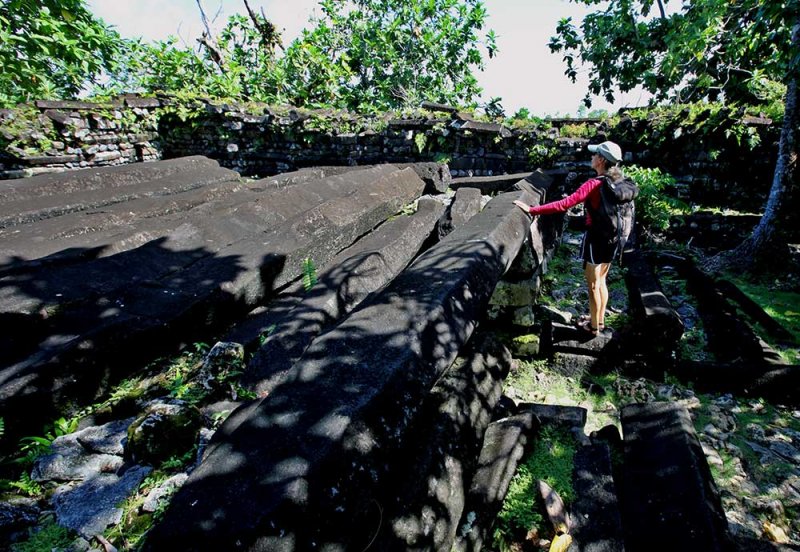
(309, 466)
(77, 328)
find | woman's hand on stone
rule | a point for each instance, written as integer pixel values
(522, 205)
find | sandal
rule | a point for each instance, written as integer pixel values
(585, 320)
(588, 328)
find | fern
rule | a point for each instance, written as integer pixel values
(420, 140)
(309, 274)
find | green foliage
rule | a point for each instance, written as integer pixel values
(2, 427)
(26, 485)
(551, 460)
(30, 448)
(541, 156)
(654, 206)
(177, 463)
(386, 54)
(47, 537)
(580, 130)
(309, 274)
(51, 49)
(703, 50)
(420, 140)
(379, 55)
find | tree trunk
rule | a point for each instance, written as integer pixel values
(766, 237)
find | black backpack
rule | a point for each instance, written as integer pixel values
(613, 219)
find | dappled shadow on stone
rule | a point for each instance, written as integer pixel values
(310, 464)
(80, 327)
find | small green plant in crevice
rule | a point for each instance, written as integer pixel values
(309, 274)
(420, 140)
(26, 486)
(540, 155)
(31, 447)
(129, 533)
(551, 460)
(46, 537)
(178, 463)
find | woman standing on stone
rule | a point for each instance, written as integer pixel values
(596, 252)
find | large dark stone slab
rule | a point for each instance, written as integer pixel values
(436, 176)
(656, 320)
(504, 445)
(774, 382)
(113, 229)
(359, 270)
(489, 184)
(732, 292)
(49, 195)
(427, 501)
(465, 205)
(729, 337)
(95, 340)
(305, 466)
(596, 521)
(667, 493)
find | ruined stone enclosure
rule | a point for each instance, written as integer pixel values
(352, 399)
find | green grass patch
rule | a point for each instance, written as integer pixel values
(782, 305)
(551, 460)
(47, 537)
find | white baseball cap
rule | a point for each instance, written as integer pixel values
(609, 150)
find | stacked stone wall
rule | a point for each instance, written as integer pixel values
(711, 168)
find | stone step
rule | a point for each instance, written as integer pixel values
(575, 352)
(324, 445)
(668, 497)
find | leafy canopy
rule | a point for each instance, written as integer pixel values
(688, 51)
(51, 49)
(364, 55)
(389, 53)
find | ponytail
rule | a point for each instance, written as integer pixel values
(614, 173)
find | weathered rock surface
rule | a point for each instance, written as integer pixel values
(465, 205)
(667, 493)
(428, 499)
(324, 445)
(72, 328)
(165, 429)
(504, 445)
(656, 318)
(356, 272)
(94, 505)
(51, 195)
(597, 525)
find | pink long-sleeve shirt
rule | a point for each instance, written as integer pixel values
(589, 191)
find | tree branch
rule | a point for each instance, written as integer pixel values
(270, 38)
(661, 9)
(207, 40)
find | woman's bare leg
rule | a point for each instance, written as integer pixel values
(595, 275)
